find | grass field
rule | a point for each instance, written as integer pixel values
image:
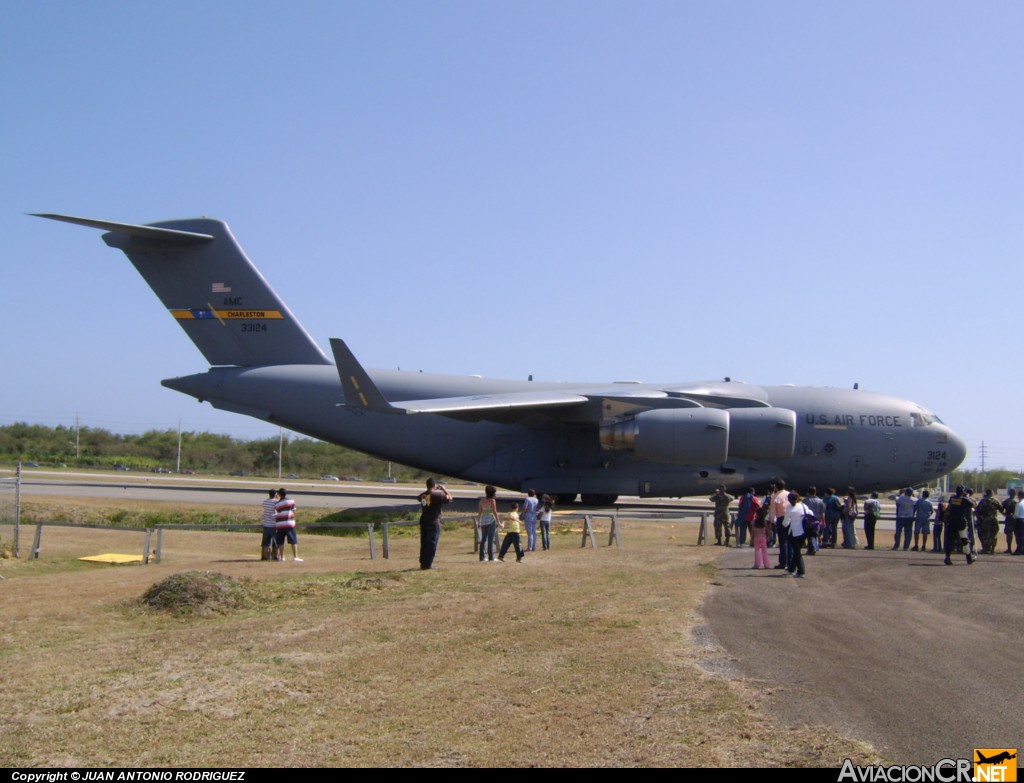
(576, 657)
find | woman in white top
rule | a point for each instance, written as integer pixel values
(793, 522)
(487, 522)
(544, 515)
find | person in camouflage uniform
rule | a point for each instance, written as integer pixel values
(988, 522)
(1009, 508)
(722, 499)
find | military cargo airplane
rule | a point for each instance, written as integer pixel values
(597, 440)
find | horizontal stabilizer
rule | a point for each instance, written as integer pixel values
(142, 232)
(360, 390)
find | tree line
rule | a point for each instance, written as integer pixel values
(998, 478)
(202, 452)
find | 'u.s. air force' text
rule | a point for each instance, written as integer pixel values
(852, 420)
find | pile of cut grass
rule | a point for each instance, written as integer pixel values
(199, 593)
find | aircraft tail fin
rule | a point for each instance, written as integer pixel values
(203, 277)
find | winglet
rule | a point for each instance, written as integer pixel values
(360, 390)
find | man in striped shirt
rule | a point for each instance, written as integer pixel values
(285, 520)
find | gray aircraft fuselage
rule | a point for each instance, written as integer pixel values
(843, 436)
(598, 440)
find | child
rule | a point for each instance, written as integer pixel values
(759, 536)
(512, 536)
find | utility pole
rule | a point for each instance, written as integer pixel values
(177, 462)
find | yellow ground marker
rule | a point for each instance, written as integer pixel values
(112, 557)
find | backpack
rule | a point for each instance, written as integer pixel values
(811, 524)
(755, 506)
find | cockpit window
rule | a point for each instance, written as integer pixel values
(921, 419)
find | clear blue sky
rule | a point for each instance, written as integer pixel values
(785, 192)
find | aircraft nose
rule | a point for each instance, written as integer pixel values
(956, 449)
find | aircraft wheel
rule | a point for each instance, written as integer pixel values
(594, 499)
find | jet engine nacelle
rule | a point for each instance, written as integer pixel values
(703, 436)
(690, 436)
(762, 433)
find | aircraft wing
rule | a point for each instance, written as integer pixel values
(361, 392)
(484, 404)
(593, 404)
(538, 406)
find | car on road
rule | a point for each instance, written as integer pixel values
(329, 477)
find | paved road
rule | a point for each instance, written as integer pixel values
(241, 493)
(921, 659)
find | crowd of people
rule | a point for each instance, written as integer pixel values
(536, 512)
(798, 525)
(279, 524)
(780, 518)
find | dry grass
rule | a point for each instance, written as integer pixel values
(574, 658)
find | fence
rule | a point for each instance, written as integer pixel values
(155, 553)
(152, 551)
(10, 507)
